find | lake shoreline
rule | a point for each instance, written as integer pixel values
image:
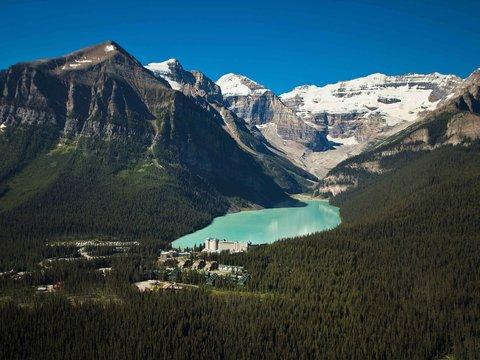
(295, 200)
(267, 225)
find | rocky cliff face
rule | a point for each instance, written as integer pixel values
(252, 101)
(192, 83)
(455, 122)
(98, 94)
(260, 106)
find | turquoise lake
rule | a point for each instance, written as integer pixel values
(268, 225)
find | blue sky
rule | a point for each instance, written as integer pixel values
(279, 45)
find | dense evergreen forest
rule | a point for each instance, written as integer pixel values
(136, 201)
(399, 279)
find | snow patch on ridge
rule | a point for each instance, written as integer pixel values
(83, 61)
(79, 62)
(239, 85)
(344, 141)
(164, 70)
(260, 91)
(109, 48)
(162, 67)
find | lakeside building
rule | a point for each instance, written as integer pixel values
(215, 245)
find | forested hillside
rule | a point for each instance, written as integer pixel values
(398, 279)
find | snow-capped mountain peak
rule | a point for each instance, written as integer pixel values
(167, 70)
(239, 85)
(164, 67)
(395, 98)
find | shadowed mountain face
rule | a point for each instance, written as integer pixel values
(208, 95)
(101, 106)
(456, 122)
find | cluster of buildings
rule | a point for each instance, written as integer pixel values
(176, 261)
(184, 260)
(172, 254)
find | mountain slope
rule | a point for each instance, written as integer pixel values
(114, 123)
(403, 263)
(355, 113)
(208, 95)
(456, 122)
(261, 108)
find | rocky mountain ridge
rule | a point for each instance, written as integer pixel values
(192, 83)
(341, 119)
